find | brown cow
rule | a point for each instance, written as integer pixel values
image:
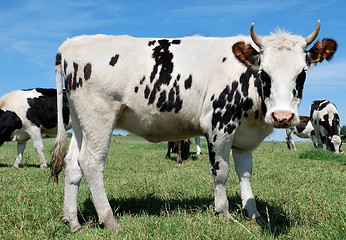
(182, 148)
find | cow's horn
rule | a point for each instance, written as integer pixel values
(309, 39)
(255, 38)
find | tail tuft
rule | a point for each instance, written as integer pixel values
(58, 157)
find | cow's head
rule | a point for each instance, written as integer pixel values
(282, 63)
(334, 143)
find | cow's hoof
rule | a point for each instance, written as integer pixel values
(43, 167)
(14, 167)
(111, 225)
(74, 225)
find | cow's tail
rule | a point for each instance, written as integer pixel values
(60, 144)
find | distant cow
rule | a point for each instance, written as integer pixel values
(25, 114)
(181, 148)
(303, 130)
(233, 90)
(326, 122)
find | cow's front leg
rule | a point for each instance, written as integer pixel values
(219, 151)
(243, 167)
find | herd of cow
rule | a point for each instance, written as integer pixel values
(232, 90)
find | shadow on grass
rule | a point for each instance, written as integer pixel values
(193, 156)
(4, 165)
(323, 155)
(276, 224)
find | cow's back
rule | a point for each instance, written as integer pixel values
(161, 84)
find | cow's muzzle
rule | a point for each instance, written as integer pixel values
(282, 119)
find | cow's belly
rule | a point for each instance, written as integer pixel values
(157, 127)
(303, 134)
(248, 136)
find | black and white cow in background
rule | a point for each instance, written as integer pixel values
(303, 130)
(232, 90)
(25, 114)
(326, 122)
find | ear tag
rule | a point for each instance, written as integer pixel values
(317, 59)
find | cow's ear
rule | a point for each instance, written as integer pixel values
(246, 54)
(343, 137)
(321, 50)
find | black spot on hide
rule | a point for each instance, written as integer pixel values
(74, 81)
(65, 66)
(87, 71)
(163, 89)
(232, 104)
(68, 82)
(114, 60)
(9, 121)
(300, 84)
(215, 168)
(176, 41)
(244, 81)
(42, 111)
(210, 150)
(266, 83)
(58, 59)
(188, 82)
(146, 92)
(151, 43)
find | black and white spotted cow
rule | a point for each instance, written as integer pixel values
(326, 122)
(25, 114)
(232, 90)
(303, 130)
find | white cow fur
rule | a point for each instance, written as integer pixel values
(107, 101)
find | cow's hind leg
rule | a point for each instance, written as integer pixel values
(97, 130)
(35, 134)
(243, 167)
(73, 176)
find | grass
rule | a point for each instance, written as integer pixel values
(301, 195)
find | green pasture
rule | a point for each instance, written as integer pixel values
(301, 195)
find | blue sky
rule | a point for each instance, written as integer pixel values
(32, 30)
